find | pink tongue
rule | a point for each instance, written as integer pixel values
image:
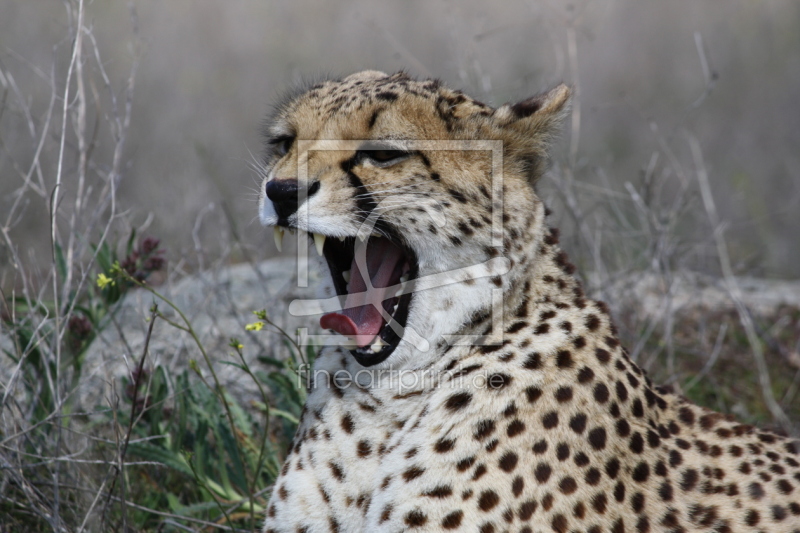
(361, 319)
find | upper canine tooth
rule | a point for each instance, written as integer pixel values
(319, 241)
(278, 234)
(346, 276)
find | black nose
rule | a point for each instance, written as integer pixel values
(283, 194)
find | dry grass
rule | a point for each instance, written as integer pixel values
(146, 458)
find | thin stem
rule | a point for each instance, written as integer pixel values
(136, 383)
(54, 202)
(218, 388)
(735, 291)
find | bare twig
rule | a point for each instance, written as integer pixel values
(54, 242)
(137, 382)
(734, 290)
(709, 76)
(723, 329)
(575, 133)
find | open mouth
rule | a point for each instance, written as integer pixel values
(373, 279)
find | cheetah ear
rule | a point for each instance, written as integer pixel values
(543, 111)
(527, 128)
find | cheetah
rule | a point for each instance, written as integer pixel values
(476, 387)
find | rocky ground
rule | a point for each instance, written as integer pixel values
(696, 313)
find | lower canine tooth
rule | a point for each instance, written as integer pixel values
(377, 345)
(278, 235)
(319, 242)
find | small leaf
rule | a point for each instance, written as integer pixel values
(61, 264)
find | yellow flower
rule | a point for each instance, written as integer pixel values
(103, 280)
(239, 346)
(255, 326)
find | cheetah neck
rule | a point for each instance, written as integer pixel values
(544, 315)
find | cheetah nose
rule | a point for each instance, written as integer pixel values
(286, 194)
(283, 194)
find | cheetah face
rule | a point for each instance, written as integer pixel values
(407, 224)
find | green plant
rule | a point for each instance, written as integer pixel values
(215, 456)
(181, 450)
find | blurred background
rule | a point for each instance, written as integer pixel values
(676, 178)
(651, 77)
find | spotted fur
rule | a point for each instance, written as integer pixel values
(543, 423)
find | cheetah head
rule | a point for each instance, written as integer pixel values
(418, 197)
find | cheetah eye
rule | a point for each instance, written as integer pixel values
(382, 156)
(283, 144)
